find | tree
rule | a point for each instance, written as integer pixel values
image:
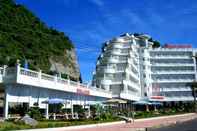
(156, 44)
(23, 36)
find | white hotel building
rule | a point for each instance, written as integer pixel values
(132, 69)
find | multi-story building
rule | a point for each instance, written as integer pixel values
(172, 69)
(131, 69)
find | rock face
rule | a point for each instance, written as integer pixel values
(29, 121)
(67, 66)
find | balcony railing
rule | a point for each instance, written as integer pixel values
(170, 57)
(111, 69)
(173, 72)
(166, 89)
(131, 93)
(62, 81)
(171, 64)
(47, 77)
(38, 76)
(29, 73)
(173, 80)
(171, 49)
(121, 46)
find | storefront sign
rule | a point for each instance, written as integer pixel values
(83, 91)
(157, 97)
(177, 46)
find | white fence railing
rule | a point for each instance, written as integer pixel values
(43, 76)
(29, 73)
(47, 77)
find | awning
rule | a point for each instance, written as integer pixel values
(94, 103)
(156, 103)
(55, 101)
(115, 101)
(141, 102)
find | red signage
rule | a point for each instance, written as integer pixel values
(83, 91)
(177, 46)
(157, 97)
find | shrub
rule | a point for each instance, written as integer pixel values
(35, 113)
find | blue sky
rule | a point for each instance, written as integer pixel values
(89, 23)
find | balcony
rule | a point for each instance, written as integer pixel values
(131, 62)
(121, 46)
(171, 49)
(170, 57)
(106, 69)
(135, 86)
(170, 89)
(173, 72)
(133, 75)
(173, 80)
(134, 96)
(105, 82)
(119, 52)
(113, 60)
(172, 64)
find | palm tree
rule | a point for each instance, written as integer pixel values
(194, 89)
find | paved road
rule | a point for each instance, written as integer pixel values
(185, 126)
(140, 124)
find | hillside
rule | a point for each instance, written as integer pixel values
(24, 37)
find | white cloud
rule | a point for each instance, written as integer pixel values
(98, 2)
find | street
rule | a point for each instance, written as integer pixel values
(151, 122)
(185, 126)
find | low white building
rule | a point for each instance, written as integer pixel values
(19, 85)
(132, 69)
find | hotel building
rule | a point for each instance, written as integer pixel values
(132, 69)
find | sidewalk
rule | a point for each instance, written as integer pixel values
(122, 126)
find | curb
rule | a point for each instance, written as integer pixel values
(76, 127)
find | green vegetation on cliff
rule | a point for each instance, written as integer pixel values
(23, 36)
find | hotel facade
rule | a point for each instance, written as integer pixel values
(132, 69)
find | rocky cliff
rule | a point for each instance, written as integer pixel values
(24, 37)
